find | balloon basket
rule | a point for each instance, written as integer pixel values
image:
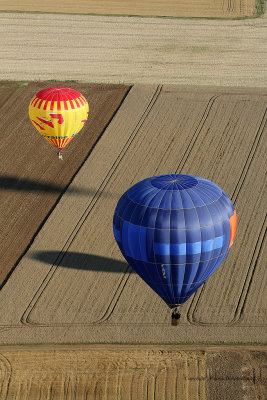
(60, 155)
(175, 316)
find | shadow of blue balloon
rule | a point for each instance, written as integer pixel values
(82, 261)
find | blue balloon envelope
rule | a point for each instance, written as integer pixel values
(174, 231)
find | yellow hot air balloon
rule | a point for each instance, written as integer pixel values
(58, 113)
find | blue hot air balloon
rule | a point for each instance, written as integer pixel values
(174, 231)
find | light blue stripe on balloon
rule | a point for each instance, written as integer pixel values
(162, 248)
(167, 249)
(117, 234)
(212, 244)
(134, 243)
(178, 249)
(218, 242)
(207, 245)
(188, 248)
(193, 248)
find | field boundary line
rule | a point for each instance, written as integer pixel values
(65, 346)
(26, 315)
(117, 293)
(63, 192)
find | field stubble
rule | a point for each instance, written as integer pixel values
(127, 372)
(126, 308)
(173, 8)
(133, 50)
(76, 286)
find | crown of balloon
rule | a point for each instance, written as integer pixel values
(58, 94)
(174, 182)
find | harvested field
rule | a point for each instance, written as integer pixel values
(73, 284)
(174, 8)
(31, 178)
(133, 50)
(128, 372)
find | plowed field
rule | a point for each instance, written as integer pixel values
(73, 284)
(127, 372)
(31, 178)
(181, 8)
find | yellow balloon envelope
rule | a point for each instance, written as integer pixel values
(58, 113)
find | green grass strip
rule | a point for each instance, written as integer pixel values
(260, 8)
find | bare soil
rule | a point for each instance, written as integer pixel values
(174, 8)
(131, 372)
(32, 179)
(105, 301)
(73, 284)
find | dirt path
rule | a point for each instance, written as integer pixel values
(130, 372)
(190, 8)
(133, 50)
(73, 285)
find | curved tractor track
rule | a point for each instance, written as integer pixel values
(81, 289)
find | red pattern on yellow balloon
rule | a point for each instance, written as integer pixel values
(58, 113)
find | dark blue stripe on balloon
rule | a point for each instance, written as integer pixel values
(143, 232)
(133, 241)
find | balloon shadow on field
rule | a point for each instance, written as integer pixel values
(28, 185)
(82, 261)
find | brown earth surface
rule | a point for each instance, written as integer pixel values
(180, 8)
(131, 372)
(188, 52)
(31, 177)
(193, 53)
(73, 285)
(133, 50)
